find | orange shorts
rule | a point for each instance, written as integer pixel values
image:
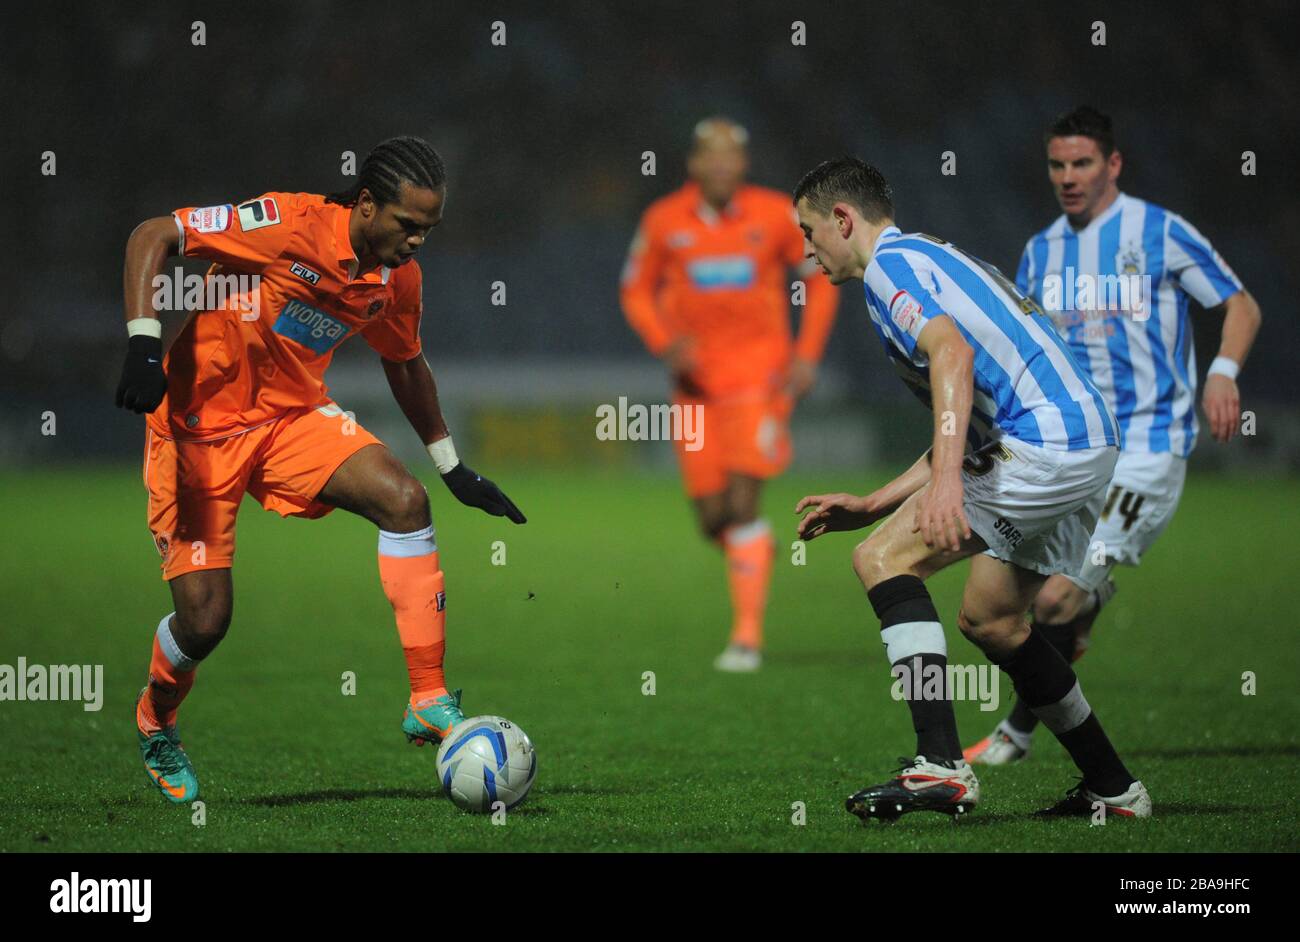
(195, 488)
(746, 434)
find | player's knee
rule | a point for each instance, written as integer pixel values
(1057, 602)
(983, 629)
(714, 524)
(200, 624)
(406, 507)
(870, 563)
(742, 508)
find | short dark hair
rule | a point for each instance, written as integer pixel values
(849, 180)
(393, 162)
(1084, 121)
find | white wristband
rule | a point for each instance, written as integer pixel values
(1224, 366)
(443, 453)
(149, 326)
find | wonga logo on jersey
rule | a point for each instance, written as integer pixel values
(313, 329)
(723, 271)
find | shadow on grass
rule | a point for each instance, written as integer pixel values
(845, 657)
(1216, 752)
(1173, 809)
(1189, 809)
(341, 794)
(358, 794)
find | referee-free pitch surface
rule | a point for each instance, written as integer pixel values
(605, 594)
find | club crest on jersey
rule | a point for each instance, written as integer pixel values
(305, 273)
(255, 214)
(680, 240)
(210, 218)
(1130, 260)
(905, 311)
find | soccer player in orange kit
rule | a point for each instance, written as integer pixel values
(239, 405)
(705, 287)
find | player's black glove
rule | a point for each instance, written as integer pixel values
(475, 491)
(143, 383)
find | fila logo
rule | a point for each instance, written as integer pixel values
(258, 213)
(305, 273)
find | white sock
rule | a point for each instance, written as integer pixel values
(420, 542)
(1017, 736)
(175, 656)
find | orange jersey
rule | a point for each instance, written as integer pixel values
(720, 279)
(263, 350)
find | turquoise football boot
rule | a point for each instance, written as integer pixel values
(432, 721)
(168, 766)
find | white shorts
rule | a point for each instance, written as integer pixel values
(1036, 507)
(1132, 512)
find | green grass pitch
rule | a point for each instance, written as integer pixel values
(608, 580)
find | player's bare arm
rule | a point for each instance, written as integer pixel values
(939, 514)
(150, 245)
(679, 357)
(416, 393)
(1221, 400)
(827, 513)
(815, 324)
(143, 383)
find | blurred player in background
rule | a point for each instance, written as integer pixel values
(239, 405)
(705, 285)
(998, 378)
(1139, 354)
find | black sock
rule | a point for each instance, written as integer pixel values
(904, 601)
(1091, 750)
(1046, 682)
(1061, 637)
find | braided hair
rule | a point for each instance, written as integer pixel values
(388, 165)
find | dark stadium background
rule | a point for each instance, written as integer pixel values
(543, 138)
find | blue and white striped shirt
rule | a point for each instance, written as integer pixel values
(1138, 351)
(1027, 385)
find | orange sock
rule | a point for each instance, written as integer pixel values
(170, 678)
(750, 551)
(413, 582)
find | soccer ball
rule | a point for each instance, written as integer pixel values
(485, 760)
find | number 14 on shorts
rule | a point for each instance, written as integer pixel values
(1130, 505)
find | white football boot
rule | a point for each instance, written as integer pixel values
(920, 785)
(1081, 802)
(738, 659)
(1001, 747)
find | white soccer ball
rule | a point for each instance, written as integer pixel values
(486, 760)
